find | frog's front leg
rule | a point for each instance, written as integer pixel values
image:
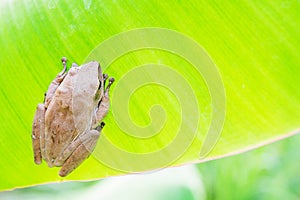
(56, 82)
(103, 106)
(78, 151)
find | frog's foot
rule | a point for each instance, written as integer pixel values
(104, 103)
(111, 81)
(64, 63)
(56, 82)
(78, 151)
(105, 77)
(38, 131)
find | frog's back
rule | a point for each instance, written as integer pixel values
(59, 125)
(63, 117)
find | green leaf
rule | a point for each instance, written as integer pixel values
(159, 95)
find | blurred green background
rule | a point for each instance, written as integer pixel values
(267, 173)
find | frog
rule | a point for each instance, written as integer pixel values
(68, 124)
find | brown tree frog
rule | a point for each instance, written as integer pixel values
(66, 127)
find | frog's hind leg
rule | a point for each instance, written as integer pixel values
(78, 151)
(56, 82)
(38, 131)
(38, 126)
(103, 106)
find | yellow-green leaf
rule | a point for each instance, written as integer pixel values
(179, 66)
